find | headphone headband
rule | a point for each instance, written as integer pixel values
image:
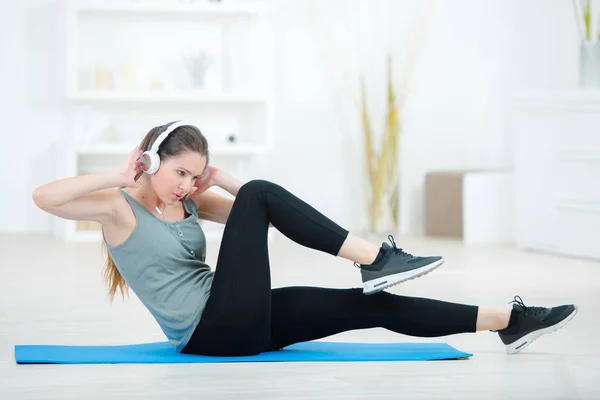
(166, 133)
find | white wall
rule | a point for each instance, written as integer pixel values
(543, 47)
(456, 116)
(474, 55)
(30, 106)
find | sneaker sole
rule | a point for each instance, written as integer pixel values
(517, 346)
(380, 284)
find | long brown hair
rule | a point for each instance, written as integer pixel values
(182, 139)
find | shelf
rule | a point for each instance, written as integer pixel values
(167, 97)
(584, 99)
(203, 8)
(108, 149)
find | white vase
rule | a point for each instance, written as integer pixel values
(589, 65)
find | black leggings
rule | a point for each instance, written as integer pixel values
(244, 316)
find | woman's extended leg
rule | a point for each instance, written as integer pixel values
(302, 314)
(307, 313)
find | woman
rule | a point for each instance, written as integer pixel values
(156, 247)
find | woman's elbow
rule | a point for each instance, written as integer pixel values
(38, 197)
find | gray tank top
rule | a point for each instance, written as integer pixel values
(163, 264)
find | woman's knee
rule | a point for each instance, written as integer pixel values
(256, 186)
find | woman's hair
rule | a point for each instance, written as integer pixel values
(182, 139)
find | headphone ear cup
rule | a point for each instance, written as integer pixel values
(150, 162)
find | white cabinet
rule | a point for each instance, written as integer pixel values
(132, 65)
(556, 140)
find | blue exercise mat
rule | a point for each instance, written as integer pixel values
(163, 352)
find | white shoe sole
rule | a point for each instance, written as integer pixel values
(526, 340)
(385, 282)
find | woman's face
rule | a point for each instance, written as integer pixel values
(176, 176)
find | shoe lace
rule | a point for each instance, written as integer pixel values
(397, 250)
(528, 310)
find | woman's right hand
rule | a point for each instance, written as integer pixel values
(209, 178)
(131, 170)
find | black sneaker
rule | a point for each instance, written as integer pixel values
(532, 322)
(394, 266)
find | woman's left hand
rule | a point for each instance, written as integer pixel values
(209, 178)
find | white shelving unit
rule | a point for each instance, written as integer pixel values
(127, 70)
(122, 150)
(213, 9)
(557, 172)
(167, 97)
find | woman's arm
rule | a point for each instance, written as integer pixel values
(87, 197)
(227, 182)
(212, 206)
(83, 198)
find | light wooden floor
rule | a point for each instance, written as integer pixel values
(51, 292)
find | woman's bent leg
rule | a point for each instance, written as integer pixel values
(237, 317)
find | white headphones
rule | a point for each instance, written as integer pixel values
(150, 159)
